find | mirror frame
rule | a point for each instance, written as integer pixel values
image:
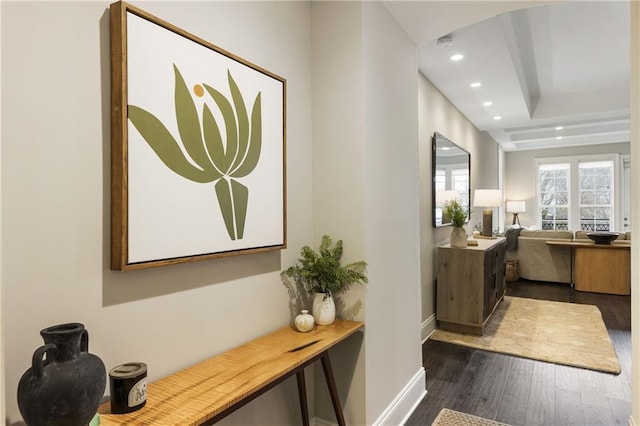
(434, 165)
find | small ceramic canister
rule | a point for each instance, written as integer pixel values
(304, 322)
(128, 384)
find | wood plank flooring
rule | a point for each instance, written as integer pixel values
(519, 391)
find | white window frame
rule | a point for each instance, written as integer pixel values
(574, 193)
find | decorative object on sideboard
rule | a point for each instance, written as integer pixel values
(515, 207)
(128, 387)
(323, 275)
(487, 199)
(603, 237)
(454, 210)
(304, 321)
(65, 383)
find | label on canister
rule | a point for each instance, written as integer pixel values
(138, 393)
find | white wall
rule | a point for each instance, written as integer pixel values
(338, 119)
(365, 192)
(391, 215)
(437, 114)
(55, 198)
(521, 174)
(2, 322)
(635, 207)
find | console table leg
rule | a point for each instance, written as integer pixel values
(328, 375)
(302, 394)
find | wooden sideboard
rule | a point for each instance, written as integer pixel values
(470, 284)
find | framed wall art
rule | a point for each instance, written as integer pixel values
(198, 147)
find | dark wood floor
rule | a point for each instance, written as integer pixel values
(519, 391)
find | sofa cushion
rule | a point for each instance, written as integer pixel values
(547, 233)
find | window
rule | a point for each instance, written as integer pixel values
(596, 195)
(577, 193)
(460, 183)
(554, 195)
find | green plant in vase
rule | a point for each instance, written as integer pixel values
(322, 274)
(454, 210)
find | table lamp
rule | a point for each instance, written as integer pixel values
(515, 207)
(487, 199)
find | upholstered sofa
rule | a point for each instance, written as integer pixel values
(539, 261)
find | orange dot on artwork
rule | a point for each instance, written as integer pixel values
(198, 90)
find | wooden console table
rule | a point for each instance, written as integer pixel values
(211, 389)
(600, 268)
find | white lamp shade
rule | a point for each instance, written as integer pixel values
(443, 196)
(516, 206)
(487, 198)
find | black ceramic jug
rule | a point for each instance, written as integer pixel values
(66, 386)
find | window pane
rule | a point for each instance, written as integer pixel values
(587, 197)
(586, 182)
(586, 213)
(562, 198)
(562, 213)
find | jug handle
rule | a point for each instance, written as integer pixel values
(37, 362)
(84, 341)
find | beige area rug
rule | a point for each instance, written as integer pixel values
(562, 333)
(448, 417)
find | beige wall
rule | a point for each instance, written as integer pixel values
(55, 189)
(437, 114)
(55, 146)
(55, 198)
(520, 173)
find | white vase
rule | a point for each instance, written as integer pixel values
(304, 322)
(324, 309)
(458, 237)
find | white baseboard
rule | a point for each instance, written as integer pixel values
(403, 405)
(428, 327)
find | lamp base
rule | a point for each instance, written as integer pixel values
(516, 219)
(487, 222)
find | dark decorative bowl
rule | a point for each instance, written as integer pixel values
(603, 237)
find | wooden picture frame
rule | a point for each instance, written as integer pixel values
(198, 147)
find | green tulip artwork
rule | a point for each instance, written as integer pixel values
(198, 147)
(202, 152)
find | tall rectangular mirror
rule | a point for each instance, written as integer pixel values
(451, 168)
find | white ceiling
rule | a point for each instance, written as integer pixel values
(562, 64)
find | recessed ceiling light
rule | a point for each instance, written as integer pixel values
(488, 103)
(456, 57)
(558, 137)
(476, 84)
(559, 128)
(445, 148)
(497, 117)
